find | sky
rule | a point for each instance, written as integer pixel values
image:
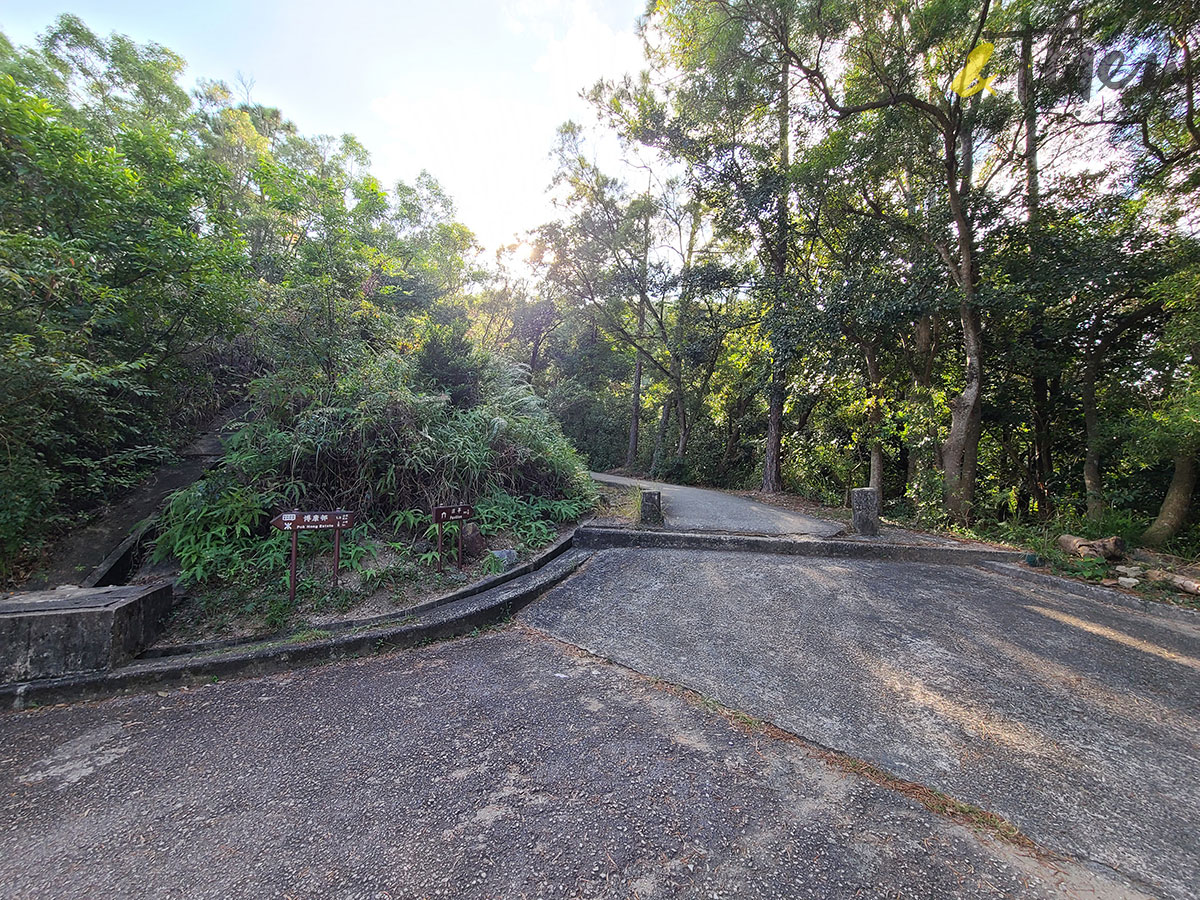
(471, 91)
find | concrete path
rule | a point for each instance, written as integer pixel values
(1076, 720)
(700, 509)
(504, 766)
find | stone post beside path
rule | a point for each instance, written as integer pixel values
(650, 508)
(865, 505)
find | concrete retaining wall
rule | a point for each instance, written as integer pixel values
(599, 538)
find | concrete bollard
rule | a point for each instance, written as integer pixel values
(650, 508)
(865, 504)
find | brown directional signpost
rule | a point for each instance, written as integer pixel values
(444, 514)
(297, 521)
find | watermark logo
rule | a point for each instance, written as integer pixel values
(968, 83)
(1067, 62)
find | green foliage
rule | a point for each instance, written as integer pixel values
(979, 346)
(116, 268)
(410, 520)
(158, 253)
(593, 415)
(382, 447)
(447, 360)
(531, 519)
(214, 529)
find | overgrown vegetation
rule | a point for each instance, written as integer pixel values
(162, 253)
(387, 449)
(841, 270)
(111, 307)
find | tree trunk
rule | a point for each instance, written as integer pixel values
(1098, 345)
(733, 428)
(1175, 505)
(875, 480)
(534, 352)
(1026, 93)
(681, 449)
(1092, 483)
(635, 398)
(924, 341)
(961, 448)
(1043, 466)
(1104, 548)
(772, 458)
(682, 419)
(659, 438)
(634, 413)
(922, 458)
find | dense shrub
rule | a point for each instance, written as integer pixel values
(381, 445)
(597, 423)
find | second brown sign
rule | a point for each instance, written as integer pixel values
(444, 514)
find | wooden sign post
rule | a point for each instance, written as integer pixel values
(444, 514)
(296, 521)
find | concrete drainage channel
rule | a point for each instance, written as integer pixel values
(123, 562)
(551, 553)
(601, 537)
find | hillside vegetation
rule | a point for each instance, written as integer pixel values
(163, 254)
(838, 262)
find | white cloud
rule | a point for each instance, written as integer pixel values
(587, 49)
(487, 137)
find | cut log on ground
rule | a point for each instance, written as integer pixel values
(1187, 585)
(1102, 548)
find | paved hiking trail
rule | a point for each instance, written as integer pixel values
(516, 764)
(1076, 720)
(502, 766)
(698, 509)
